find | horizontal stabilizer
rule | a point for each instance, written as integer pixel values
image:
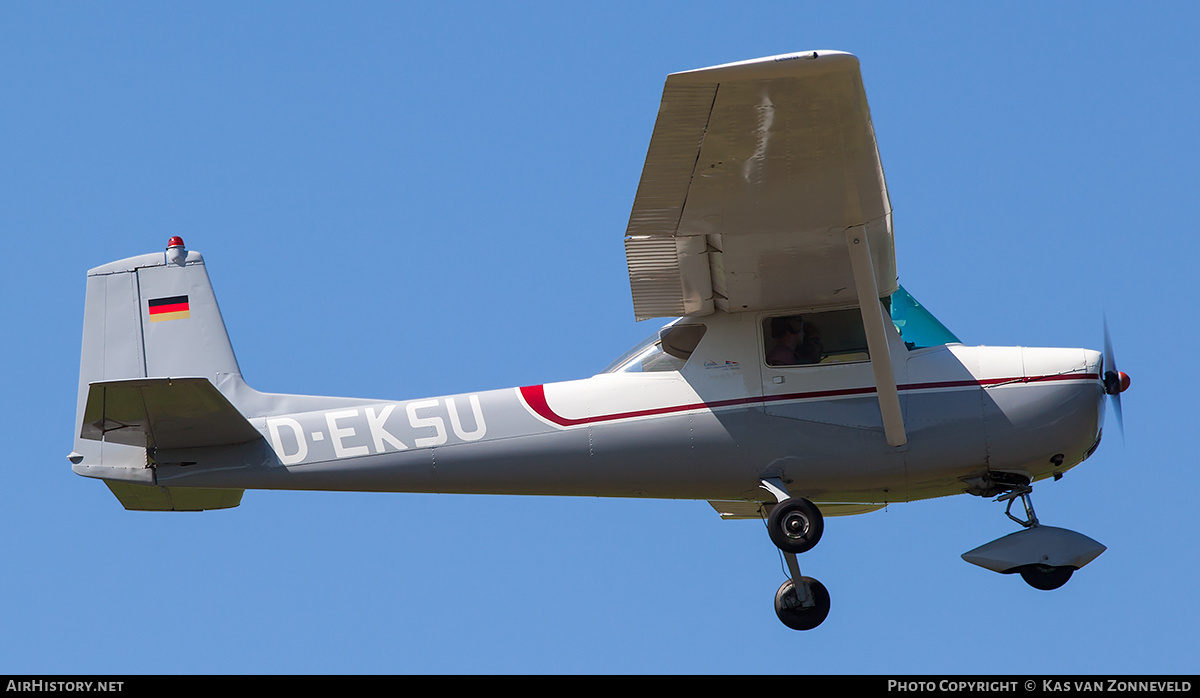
(151, 498)
(166, 413)
(730, 510)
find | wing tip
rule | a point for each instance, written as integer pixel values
(772, 66)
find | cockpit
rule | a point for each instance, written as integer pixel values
(834, 336)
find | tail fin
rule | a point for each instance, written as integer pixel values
(152, 316)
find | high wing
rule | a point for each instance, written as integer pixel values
(757, 176)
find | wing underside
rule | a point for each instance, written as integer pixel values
(755, 174)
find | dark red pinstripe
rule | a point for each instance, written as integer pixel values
(535, 397)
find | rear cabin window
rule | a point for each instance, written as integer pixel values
(835, 336)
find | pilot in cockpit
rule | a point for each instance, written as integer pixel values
(788, 333)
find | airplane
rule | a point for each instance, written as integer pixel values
(795, 380)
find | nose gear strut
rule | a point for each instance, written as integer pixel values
(1023, 492)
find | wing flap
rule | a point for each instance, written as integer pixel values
(166, 413)
(671, 274)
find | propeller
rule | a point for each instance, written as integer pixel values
(1115, 382)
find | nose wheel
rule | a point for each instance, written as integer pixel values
(1038, 576)
(1046, 577)
(1044, 556)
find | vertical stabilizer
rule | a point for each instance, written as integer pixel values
(150, 316)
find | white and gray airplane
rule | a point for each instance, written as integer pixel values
(798, 380)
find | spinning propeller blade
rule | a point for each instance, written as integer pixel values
(1115, 382)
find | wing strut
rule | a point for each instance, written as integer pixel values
(877, 344)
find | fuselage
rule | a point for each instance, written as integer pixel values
(708, 427)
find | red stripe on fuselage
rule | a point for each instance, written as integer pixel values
(535, 397)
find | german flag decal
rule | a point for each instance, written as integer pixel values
(173, 308)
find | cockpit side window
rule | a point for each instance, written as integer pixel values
(834, 336)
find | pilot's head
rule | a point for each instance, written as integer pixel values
(783, 326)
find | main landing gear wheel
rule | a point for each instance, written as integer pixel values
(795, 525)
(793, 613)
(1045, 577)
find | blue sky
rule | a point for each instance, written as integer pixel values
(401, 200)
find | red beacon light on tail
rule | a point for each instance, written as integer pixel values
(176, 252)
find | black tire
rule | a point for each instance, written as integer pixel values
(795, 525)
(792, 614)
(1045, 577)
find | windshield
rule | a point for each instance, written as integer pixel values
(665, 350)
(917, 326)
(648, 355)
